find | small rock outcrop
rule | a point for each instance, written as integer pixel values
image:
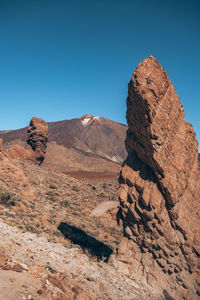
(37, 138)
(160, 187)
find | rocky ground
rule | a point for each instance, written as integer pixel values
(60, 199)
(33, 268)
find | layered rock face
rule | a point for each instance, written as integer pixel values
(37, 138)
(160, 186)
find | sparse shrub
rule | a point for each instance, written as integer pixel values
(52, 186)
(10, 223)
(51, 195)
(75, 213)
(33, 181)
(64, 203)
(75, 188)
(20, 226)
(8, 198)
(101, 195)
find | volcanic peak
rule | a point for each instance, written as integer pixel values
(86, 119)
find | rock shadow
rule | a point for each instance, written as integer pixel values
(79, 237)
(145, 172)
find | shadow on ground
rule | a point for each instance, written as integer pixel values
(85, 241)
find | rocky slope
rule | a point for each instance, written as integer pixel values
(33, 268)
(57, 235)
(76, 147)
(160, 186)
(13, 181)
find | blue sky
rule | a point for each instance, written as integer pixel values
(62, 59)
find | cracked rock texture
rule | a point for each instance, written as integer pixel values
(37, 138)
(160, 186)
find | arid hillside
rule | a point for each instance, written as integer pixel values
(57, 236)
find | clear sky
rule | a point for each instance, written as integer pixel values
(62, 59)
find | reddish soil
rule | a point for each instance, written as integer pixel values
(92, 176)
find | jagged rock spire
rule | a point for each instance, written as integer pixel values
(160, 182)
(37, 138)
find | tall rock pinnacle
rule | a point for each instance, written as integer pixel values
(37, 138)
(160, 185)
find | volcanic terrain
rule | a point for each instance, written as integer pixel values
(86, 147)
(71, 231)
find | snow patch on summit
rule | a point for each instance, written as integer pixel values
(85, 121)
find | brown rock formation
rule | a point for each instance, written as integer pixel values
(160, 186)
(37, 138)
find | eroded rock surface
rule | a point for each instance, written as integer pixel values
(160, 186)
(37, 138)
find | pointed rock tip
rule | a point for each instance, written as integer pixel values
(87, 116)
(150, 69)
(37, 120)
(150, 58)
(148, 62)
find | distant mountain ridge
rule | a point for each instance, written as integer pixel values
(88, 143)
(91, 134)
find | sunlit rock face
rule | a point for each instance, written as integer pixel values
(37, 138)
(160, 186)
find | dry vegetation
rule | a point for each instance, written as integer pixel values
(62, 199)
